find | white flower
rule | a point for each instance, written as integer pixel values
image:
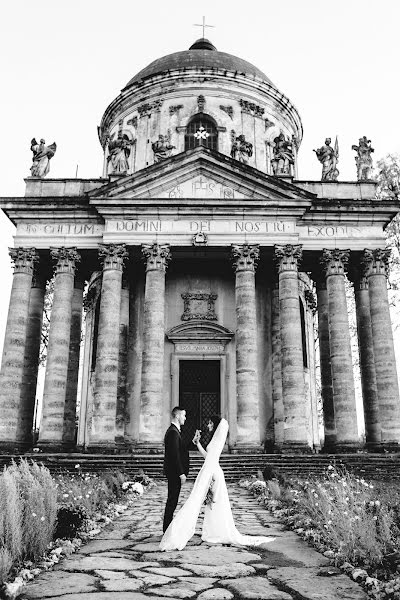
(33, 514)
(138, 488)
(42, 518)
(78, 466)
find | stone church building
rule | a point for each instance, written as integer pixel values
(192, 273)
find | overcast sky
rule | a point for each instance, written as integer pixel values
(63, 61)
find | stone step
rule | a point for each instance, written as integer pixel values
(235, 466)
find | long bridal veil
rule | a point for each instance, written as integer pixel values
(218, 526)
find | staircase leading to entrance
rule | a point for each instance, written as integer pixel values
(235, 466)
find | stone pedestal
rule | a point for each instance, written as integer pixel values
(152, 394)
(376, 267)
(12, 432)
(51, 434)
(367, 363)
(245, 258)
(293, 387)
(325, 365)
(69, 435)
(103, 425)
(334, 262)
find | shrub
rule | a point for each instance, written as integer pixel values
(70, 520)
(6, 563)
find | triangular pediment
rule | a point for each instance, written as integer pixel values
(200, 174)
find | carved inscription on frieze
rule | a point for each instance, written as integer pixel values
(199, 348)
(84, 229)
(139, 226)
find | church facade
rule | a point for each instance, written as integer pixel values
(192, 272)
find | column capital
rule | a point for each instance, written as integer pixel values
(245, 257)
(334, 262)
(23, 259)
(67, 259)
(113, 256)
(156, 256)
(375, 262)
(287, 257)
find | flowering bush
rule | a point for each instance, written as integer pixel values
(353, 522)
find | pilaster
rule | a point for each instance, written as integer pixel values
(156, 259)
(245, 258)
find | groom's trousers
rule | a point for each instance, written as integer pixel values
(174, 488)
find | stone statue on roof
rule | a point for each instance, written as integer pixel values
(329, 158)
(363, 159)
(41, 157)
(241, 150)
(119, 152)
(162, 148)
(283, 159)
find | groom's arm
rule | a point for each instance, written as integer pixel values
(172, 451)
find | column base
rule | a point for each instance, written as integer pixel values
(104, 448)
(15, 447)
(149, 448)
(296, 448)
(383, 447)
(247, 449)
(343, 448)
(56, 447)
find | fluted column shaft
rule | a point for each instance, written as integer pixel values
(293, 388)
(376, 265)
(245, 258)
(73, 363)
(103, 426)
(277, 397)
(325, 364)
(334, 263)
(122, 413)
(367, 362)
(13, 362)
(151, 395)
(55, 383)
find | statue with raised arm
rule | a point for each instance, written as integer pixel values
(162, 148)
(241, 150)
(363, 159)
(41, 157)
(329, 158)
(283, 159)
(119, 152)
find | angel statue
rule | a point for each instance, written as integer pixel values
(363, 159)
(162, 148)
(329, 158)
(41, 157)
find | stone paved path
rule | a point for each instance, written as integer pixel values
(124, 563)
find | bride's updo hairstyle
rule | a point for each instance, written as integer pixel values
(215, 420)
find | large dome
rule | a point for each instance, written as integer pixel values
(201, 55)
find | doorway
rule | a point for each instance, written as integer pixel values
(199, 395)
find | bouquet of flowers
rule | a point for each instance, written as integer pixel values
(209, 499)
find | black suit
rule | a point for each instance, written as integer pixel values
(176, 463)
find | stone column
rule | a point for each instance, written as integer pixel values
(55, 384)
(73, 363)
(245, 258)
(277, 398)
(334, 263)
(325, 365)
(367, 362)
(376, 265)
(32, 351)
(12, 436)
(103, 427)
(293, 387)
(152, 387)
(122, 413)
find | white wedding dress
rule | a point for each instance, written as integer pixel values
(218, 526)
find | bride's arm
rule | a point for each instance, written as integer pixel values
(201, 449)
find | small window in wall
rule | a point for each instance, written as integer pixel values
(201, 131)
(303, 334)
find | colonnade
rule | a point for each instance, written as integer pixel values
(377, 360)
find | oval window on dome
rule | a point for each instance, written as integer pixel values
(201, 131)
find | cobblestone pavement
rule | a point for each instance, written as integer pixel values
(124, 562)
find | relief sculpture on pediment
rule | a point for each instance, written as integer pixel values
(199, 306)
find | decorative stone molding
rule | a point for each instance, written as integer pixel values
(268, 123)
(175, 109)
(201, 102)
(67, 259)
(375, 261)
(113, 256)
(156, 256)
(251, 108)
(133, 122)
(200, 238)
(245, 257)
(199, 306)
(228, 110)
(334, 262)
(199, 336)
(287, 257)
(146, 110)
(23, 259)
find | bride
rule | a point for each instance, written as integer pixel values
(218, 525)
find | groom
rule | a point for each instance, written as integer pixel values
(176, 462)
